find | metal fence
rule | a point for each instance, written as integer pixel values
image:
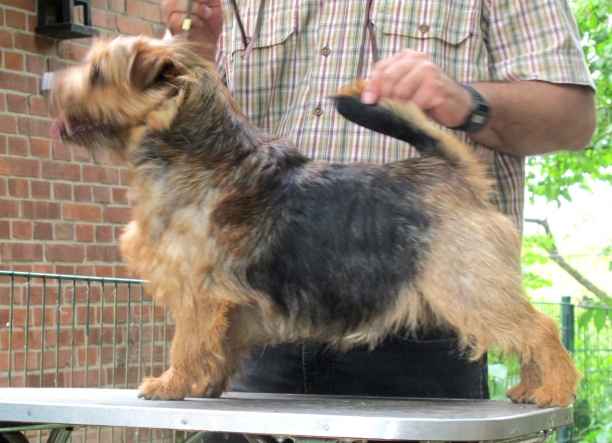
(586, 331)
(75, 331)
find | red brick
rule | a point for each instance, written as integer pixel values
(19, 167)
(80, 154)
(148, 11)
(64, 269)
(120, 195)
(32, 23)
(83, 212)
(3, 137)
(99, 253)
(133, 26)
(101, 194)
(104, 234)
(98, 174)
(18, 82)
(18, 187)
(64, 253)
(43, 231)
(40, 147)
(85, 270)
(28, 5)
(40, 210)
(17, 146)
(68, 49)
(14, 61)
(117, 215)
(2, 102)
(9, 208)
(61, 151)
(22, 230)
(63, 171)
(8, 124)
(35, 64)
(15, 19)
(5, 231)
(125, 176)
(17, 103)
(63, 231)
(40, 189)
(62, 191)
(6, 39)
(34, 127)
(117, 5)
(103, 19)
(35, 43)
(39, 106)
(3, 186)
(85, 233)
(104, 271)
(82, 193)
(21, 252)
(43, 268)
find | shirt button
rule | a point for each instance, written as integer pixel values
(325, 51)
(318, 112)
(424, 28)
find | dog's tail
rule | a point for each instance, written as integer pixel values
(405, 121)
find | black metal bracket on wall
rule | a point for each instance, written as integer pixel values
(55, 19)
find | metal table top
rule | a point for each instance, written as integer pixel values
(288, 415)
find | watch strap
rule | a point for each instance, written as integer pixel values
(479, 115)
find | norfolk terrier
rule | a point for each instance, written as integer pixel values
(248, 242)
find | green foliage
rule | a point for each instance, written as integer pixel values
(592, 343)
(600, 318)
(553, 175)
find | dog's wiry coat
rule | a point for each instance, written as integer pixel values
(248, 242)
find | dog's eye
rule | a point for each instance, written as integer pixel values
(96, 75)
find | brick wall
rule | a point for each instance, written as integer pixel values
(60, 210)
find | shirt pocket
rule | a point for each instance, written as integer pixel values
(256, 73)
(449, 31)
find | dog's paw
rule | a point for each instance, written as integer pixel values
(208, 389)
(520, 393)
(550, 396)
(168, 386)
(543, 396)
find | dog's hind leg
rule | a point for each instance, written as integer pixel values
(478, 292)
(548, 375)
(198, 354)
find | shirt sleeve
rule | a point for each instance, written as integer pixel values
(534, 40)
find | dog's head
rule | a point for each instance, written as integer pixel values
(124, 88)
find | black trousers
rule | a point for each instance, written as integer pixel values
(430, 367)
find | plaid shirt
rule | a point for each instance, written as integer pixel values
(305, 50)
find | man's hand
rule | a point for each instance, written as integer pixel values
(206, 21)
(410, 75)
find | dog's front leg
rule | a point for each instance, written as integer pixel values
(198, 355)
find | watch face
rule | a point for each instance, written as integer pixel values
(480, 114)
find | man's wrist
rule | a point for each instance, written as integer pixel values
(478, 115)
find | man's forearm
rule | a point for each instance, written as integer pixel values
(532, 117)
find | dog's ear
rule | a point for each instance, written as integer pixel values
(152, 65)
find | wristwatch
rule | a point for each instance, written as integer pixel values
(479, 115)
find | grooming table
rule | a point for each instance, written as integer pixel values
(300, 417)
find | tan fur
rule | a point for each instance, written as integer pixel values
(186, 259)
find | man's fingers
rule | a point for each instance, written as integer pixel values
(388, 72)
